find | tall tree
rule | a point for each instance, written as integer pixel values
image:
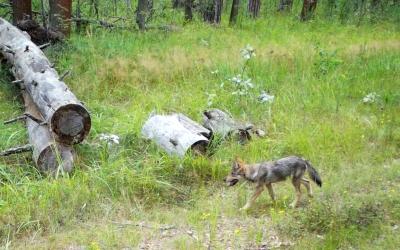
(308, 9)
(188, 10)
(60, 15)
(21, 9)
(143, 13)
(176, 4)
(285, 5)
(234, 11)
(254, 7)
(212, 10)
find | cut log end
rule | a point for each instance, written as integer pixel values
(51, 160)
(71, 123)
(200, 147)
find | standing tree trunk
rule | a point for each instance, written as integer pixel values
(60, 16)
(285, 5)
(188, 10)
(22, 9)
(212, 10)
(254, 8)
(143, 13)
(176, 4)
(234, 11)
(308, 9)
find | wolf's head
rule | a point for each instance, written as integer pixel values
(237, 172)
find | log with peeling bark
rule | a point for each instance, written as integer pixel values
(176, 134)
(68, 119)
(222, 124)
(48, 155)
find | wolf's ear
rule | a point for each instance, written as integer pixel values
(239, 162)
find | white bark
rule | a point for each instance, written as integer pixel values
(48, 155)
(176, 134)
(220, 123)
(67, 117)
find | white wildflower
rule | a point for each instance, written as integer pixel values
(266, 98)
(248, 83)
(210, 98)
(109, 138)
(370, 98)
(236, 79)
(215, 72)
(248, 52)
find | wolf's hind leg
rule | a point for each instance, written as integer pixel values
(271, 191)
(296, 183)
(307, 184)
(259, 190)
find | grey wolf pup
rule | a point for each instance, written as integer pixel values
(265, 173)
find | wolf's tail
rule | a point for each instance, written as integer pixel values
(313, 174)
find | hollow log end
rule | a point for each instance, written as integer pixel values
(71, 123)
(52, 160)
(199, 148)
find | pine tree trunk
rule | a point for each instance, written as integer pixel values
(188, 10)
(234, 11)
(285, 5)
(308, 9)
(22, 9)
(143, 13)
(254, 8)
(212, 11)
(60, 16)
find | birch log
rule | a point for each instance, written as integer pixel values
(219, 122)
(48, 155)
(68, 119)
(176, 134)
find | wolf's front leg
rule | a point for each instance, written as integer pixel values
(259, 190)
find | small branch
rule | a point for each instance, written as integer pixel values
(17, 150)
(23, 117)
(17, 82)
(66, 73)
(6, 50)
(35, 119)
(44, 45)
(18, 118)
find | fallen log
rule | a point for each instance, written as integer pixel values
(222, 124)
(68, 119)
(176, 134)
(48, 155)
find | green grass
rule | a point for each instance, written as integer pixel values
(318, 72)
